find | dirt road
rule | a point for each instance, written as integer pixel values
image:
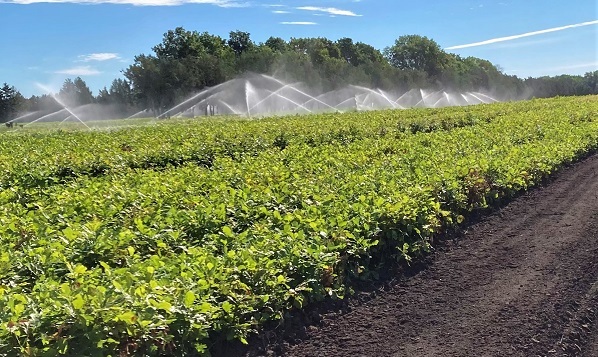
(522, 282)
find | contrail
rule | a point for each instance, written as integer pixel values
(514, 37)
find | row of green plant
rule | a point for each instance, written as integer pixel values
(170, 261)
(29, 159)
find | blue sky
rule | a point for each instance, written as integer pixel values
(47, 41)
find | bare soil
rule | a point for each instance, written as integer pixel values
(523, 281)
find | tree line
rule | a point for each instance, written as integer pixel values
(185, 62)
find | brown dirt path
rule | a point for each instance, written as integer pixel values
(522, 282)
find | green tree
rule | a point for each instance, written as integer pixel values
(347, 50)
(84, 95)
(179, 43)
(145, 76)
(318, 49)
(544, 87)
(103, 96)
(75, 93)
(419, 53)
(184, 62)
(591, 79)
(121, 92)
(11, 102)
(67, 91)
(258, 59)
(214, 45)
(240, 42)
(44, 102)
(470, 73)
(358, 53)
(277, 44)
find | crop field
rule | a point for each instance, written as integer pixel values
(170, 236)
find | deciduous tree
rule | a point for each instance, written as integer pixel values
(414, 52)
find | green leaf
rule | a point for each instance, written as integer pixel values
(128, 317)
(70, 234)
(78, 302)
(205, 307)
(189, 299)
(227, 231)
(18, 309)
(164, 305)
(79, 269)
(227, 307)
(106, 267)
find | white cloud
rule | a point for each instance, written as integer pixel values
(527, 34)
(220, 3)
(79, 71)
(298, 23)
(328, 10)
(281, 12)
(103, 56)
